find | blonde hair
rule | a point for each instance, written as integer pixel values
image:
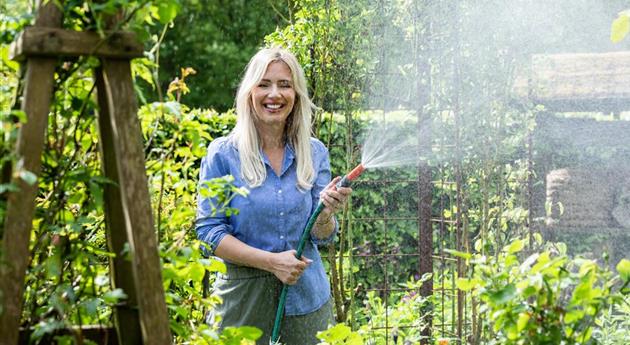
(297, 130)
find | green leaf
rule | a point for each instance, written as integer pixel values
(8, 187)
(167, 11)
(4, 56)
(53, 265)
(457, 253)
(620, 27)
(28, 177)
(340, 334)
(623, 267)
(514, 247)
(466, 284)
(20, 115)
(583, 292)
(91, 306)
(196, 272)
(503, 295)
(235, 335)
(252, 333)
(216, 266)
(114, 296)
(573, 316)
(523, 319)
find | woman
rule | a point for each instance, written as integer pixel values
(270, 152)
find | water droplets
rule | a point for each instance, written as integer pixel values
(390, 144)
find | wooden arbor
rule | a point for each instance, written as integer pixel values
(143, 317)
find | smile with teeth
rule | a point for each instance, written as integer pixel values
(274, 106)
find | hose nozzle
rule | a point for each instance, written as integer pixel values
(351, 176)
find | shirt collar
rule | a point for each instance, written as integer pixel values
(289, 156)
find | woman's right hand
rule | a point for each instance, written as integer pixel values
(286, 267)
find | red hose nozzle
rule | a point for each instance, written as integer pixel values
(345, 181)
(358, 170)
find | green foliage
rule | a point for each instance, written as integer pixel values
(613, 327)
(328, 39)
(217, 39)
(545, 298)
(620, 27)
(406, 313)
(340, 334)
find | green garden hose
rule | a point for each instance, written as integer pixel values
(344, 182)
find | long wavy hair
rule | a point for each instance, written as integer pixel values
(298, 127)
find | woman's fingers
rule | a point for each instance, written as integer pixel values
(335, 198)
(290, 269)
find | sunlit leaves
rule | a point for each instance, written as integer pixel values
(166, 10)
(502, 295)
(327, 37)
(466, 284)
(620, 27)
(27, 177)
(460, 254)
(4, 58)
(623, 267)
(240, 336)
(340, 334)
(142, 68)
(220, 191)
(515, 247)
(114, 296)
(549, 297)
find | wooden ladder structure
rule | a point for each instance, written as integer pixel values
(142, 318)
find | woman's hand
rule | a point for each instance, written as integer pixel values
(334, 198)
(286, 267)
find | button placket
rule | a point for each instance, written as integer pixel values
(281, 213)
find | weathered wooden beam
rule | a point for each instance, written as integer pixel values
(128, 149)
(53, 42)
(14, 256)
(577, 82)
(126, 316)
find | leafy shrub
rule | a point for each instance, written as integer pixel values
(547, 298)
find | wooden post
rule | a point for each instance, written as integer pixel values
(425, 176)
(126, 316)
(21, 205)
(143, 317)
(128, 150)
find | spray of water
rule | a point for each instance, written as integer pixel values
(390, 144)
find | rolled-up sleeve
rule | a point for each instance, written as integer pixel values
(321, 163)
(211, 225)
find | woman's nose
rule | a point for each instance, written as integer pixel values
(274, 92)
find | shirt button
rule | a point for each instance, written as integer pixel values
(282, 237)
(282, 213)
(279, 191)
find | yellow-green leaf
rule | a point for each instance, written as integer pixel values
(515, 247)
(620, 27)
(523, 319)
(466, 284)
(217, 266)
(4, 56)
(463, 255)
(573, 316)
(623, 267)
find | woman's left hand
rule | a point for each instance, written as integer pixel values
(334, 198)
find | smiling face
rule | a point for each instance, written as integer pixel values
(274, 96)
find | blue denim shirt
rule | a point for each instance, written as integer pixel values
(272, 217)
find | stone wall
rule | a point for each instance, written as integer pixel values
(579, 198)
